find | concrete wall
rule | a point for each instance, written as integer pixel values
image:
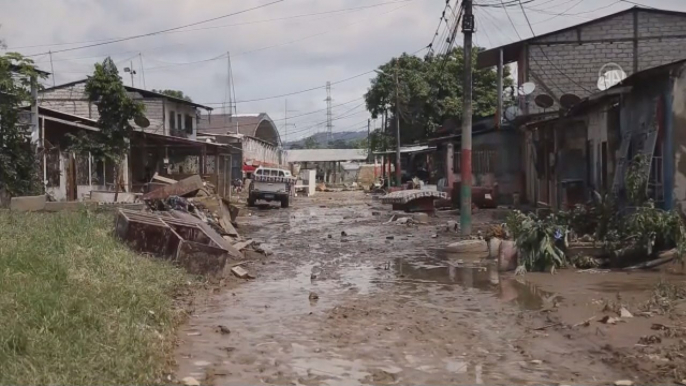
(570, 61)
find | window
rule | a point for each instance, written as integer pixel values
(179, 122)
(172, 121)
(189, 124)
(259, 172)
(282, 174)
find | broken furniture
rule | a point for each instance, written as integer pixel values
(482, 196)
(413, 200)
(181, 238)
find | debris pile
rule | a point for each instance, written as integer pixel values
(184, 221)
(597, 234)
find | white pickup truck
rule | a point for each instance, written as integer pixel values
(271, 184)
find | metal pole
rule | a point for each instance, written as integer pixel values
(132, 74)
(398, 172)
(285, 125)
(52, 69)
(369, 140)
(499, 117)
(140, 56)
(466, 161)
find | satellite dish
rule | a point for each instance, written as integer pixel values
(610, 75)
(526, 88)
(544, 101)
(511, 113)
(569, 100)
(142, 121)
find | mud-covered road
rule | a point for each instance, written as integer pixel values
(346, 299)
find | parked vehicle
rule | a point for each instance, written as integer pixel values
(271, 184)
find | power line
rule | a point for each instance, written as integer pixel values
(341, 10)
(164, 30)
(545, 55)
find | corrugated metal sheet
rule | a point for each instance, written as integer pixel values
(325, 155)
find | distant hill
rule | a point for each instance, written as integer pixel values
(320, 138)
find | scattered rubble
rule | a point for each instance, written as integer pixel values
(240, 272)
(190, 381)
(223, 329)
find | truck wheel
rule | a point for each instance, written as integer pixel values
(251, 201)
(284, 202)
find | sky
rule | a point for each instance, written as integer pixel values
(275, 49)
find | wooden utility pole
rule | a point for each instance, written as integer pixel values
(52, 68)
(369, 140)
(398, 172)
(466, 155)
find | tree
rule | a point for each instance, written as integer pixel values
(340, 144)
(106, 89)
(174, 94)
(18, 162)
(430, 92)
(311, 143)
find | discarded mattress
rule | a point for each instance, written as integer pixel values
(403, 197)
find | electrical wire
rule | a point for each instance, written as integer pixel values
(342, 10)
(161, 31)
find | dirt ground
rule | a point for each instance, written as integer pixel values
(345, 299)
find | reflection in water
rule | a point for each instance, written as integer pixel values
(483, 277)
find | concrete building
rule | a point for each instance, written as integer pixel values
(166, 146)
(167, 115)
(255, 135)
(569, 61)
(591, 146)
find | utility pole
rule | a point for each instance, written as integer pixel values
(369, 140)
(398, 172)
(132, 72)
(499, 114)
(285, 125)
(329, 115)
(52, 69)
(140, 57)
(466, 156)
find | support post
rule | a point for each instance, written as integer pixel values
(369, 140)
(398, 171)
(499, 114)
(466, 164)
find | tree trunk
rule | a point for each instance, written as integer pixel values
(116, 181)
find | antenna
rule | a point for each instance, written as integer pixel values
(610, 75)
(569, 100)
(329, 120)
(544, 101)
(526, 88)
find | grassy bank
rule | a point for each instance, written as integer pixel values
(77, 307)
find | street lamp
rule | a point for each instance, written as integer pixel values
(398, 172)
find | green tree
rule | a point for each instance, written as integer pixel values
(311, 143)
(430, 92)
(106, 89)
(340, 144)
(174, 94)
(18, 161)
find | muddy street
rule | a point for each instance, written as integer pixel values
(344, 298)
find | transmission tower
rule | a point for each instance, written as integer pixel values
(329, 117)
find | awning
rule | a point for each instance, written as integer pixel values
(248, 168)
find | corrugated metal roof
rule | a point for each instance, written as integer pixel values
(253, 125)
(326, 155)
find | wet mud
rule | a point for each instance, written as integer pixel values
(344, 298)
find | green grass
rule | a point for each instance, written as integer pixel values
(78, 307)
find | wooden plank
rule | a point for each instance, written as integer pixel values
(158, 177)
(181, 188)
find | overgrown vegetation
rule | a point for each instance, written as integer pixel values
(18, 162)
(641, 230)
(77, 307)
